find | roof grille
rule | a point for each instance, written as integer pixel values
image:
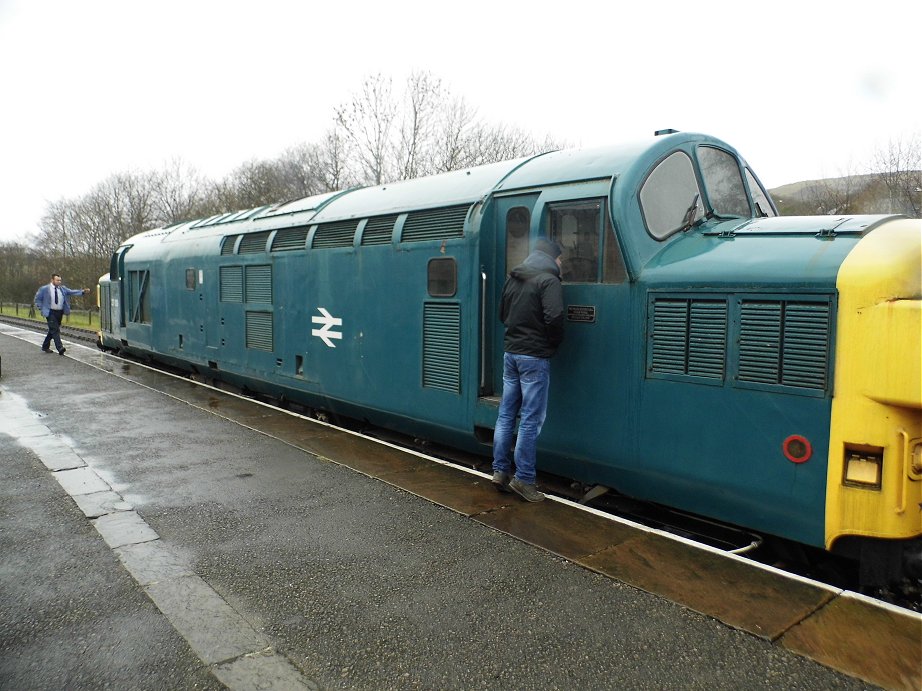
(253, 243)
(435, 224)
(378, 230)
(227, 246)
(338, 234)
(290, 239)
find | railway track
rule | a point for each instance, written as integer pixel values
(793, 558)
(72, 333)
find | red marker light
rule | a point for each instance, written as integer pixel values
(797, 449)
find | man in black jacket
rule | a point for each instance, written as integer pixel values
(532, 310)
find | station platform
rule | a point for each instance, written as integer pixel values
(156, 533)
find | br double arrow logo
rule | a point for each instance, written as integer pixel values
(328, 321)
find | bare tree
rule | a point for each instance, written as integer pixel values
(422, 102)
(490, 143)
(180, 193)
(899, 168)
(452, 144)
(117, 208)
(367, 122)
(54, 226)
(425, 131)
(332, 162)
(254, 183)
(300, 171)
(311, 169)
(76, 237)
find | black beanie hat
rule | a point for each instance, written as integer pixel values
(549, 247)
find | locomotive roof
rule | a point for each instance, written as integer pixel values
(471, 184)
(456, 187)
(569, 165)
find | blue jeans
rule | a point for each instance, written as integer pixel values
(526, 380)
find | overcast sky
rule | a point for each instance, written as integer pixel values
(90, 88)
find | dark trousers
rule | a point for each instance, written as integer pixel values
(54, 330)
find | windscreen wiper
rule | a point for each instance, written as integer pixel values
(689, 219)
(721, 217)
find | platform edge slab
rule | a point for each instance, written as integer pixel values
(740, 595)
(881, 646)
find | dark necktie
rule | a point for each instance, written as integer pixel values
(56, 295)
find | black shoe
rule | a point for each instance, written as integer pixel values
(62, 351)
(46, 350)
(501, 481)
(526, 491)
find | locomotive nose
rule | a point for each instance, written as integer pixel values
(877, 404)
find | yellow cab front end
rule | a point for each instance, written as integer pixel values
(874, 485)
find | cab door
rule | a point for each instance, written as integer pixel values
(512, 241)
(588, 409)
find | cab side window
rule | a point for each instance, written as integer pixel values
(575, 227)
(591, 253)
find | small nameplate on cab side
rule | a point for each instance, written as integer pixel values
(581, 313)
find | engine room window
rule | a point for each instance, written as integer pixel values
(670, 196)
(518, 221)
(759, 197)
(723, 182)
(575, 227)
(190, 279)
(443, 277)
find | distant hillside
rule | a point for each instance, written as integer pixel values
(855, 194)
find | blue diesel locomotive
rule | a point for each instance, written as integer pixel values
(721, 359)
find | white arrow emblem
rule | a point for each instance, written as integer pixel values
(328, 321)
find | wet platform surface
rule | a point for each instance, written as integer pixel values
(262, 548)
